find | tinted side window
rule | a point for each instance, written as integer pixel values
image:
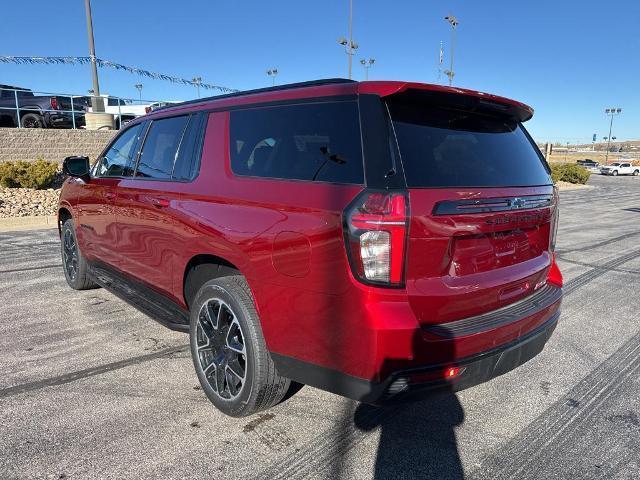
(117, 161)
(161, 147)
(190, 150)
(316, 142)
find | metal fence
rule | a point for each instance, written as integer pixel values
(33, 109)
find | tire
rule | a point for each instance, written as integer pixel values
(73, 263)
(32, 120)
(636, 173)
(614, 173)
(222, 353)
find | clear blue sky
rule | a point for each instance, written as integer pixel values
(569, 59)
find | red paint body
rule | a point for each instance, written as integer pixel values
(286, 237)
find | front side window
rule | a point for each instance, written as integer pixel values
(313, 142)
(161, 147)
(117, 160)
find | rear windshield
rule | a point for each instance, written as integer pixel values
(443, 147)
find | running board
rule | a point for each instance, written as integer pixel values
(135, 293)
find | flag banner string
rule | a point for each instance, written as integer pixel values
(109, 64)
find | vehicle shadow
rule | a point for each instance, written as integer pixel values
(417, 440)
(417, 437)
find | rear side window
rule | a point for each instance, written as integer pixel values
(161, 148)
(314, 142)
(443, 147)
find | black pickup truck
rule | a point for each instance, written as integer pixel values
(37, 111)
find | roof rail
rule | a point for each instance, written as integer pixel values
(289, 86)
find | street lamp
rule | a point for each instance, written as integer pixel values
(139, 88)
(197, 82)
(453, 21)
(272, 72)
(367, 64)
(611, 112)
(349, 45)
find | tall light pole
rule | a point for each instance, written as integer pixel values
(97, 106)
(197, 81)
(453, 21)
(139, 88)
(349, 44)
(367, 64)
(611, 112)
(273, 72)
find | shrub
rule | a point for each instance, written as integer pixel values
(569, 172)
(38, 174)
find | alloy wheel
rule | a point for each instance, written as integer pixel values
(30, 123)
(221, 348)
(70, 255)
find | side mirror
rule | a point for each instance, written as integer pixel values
(76, 167)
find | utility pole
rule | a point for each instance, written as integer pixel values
(139, 88)
(273, 72)
(367, 64)
(453, 21)
(197, 81)
(611, 112)
(349, 44)
(96, 104)
(350, 35)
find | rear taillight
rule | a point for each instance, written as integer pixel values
(376, 225)
(553, 228)
(147, 109)
(54, 103)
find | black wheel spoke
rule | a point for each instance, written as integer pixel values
(220, 381)
(235, 341)
(236, 369)
(232, 382)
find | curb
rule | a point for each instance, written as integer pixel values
(28, 223)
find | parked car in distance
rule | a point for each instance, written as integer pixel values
(123, 110)
(591, 165)
(587, 162)
(36, 111)
(367, 238)
(157, 105)
(620, 168)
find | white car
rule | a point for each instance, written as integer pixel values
(124, 108)
(620, 168)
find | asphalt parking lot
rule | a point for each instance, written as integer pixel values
(91, 388)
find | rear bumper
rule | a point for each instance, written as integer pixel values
(401, 384)
(413, 362)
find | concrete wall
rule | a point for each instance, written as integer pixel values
(50, 144)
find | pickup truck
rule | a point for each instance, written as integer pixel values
(36, 111)
(126, 109)
(620, 168)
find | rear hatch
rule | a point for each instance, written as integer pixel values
(481, 204)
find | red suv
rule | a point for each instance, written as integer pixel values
(374, 239)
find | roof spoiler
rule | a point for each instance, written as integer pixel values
(459, 98)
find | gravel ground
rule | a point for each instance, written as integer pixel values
(25, 202)
(92, 389)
